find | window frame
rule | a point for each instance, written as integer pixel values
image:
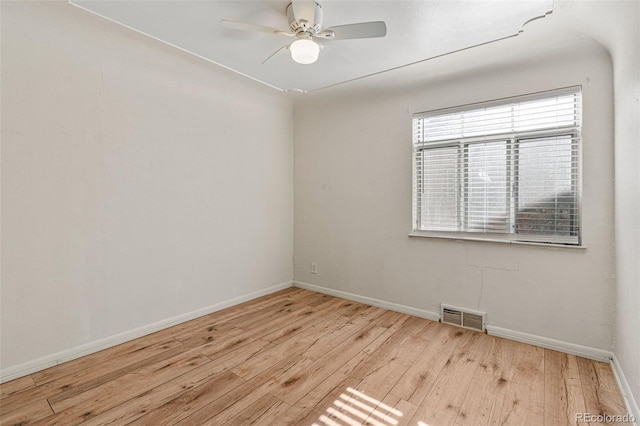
(513, 141)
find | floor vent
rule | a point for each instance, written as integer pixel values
(462, 317)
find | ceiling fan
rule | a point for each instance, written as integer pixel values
(305, 24)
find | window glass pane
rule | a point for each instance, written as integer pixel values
(486, 187)
(546, 187)
(438, 189)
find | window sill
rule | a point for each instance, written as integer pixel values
(494, 240)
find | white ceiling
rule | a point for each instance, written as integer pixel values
(416, 31)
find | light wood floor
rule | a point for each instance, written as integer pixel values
(302, 358)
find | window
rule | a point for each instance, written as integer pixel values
(505, 169)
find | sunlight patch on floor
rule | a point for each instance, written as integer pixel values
(354, 408)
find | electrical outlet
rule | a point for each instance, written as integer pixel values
(314, 268)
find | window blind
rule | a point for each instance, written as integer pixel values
(509, 168)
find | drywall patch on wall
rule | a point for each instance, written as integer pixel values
(500, 257)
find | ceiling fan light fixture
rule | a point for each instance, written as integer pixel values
(304, 51)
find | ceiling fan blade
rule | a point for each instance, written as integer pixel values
(361, 30)
(304, 9)
(274, 53)
(245, 26)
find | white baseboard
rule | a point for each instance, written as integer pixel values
(545, 342)
(556, 345)
(433, 316)
(47, 361)
(629, 400)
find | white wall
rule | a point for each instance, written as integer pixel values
(625, 50)
(616, 25)
(138, 183)
(352, 175)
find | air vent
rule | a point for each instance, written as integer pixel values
(462, 317)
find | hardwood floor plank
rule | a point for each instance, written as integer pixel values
(328, 341)
(228, 318)
(279, 414)
(418, 380)
(139, 405)
(319, 314)
(326, 298)
(392, 321)
(596, 382)
(272, 354)
(15, 386)
(357, 406)
(387, 319)
(26, 414)
(391, 366)
(254, 412)
(407, 330)
(300, 293)
(350, 308)
(397, 411)
(402, 329)
(297, 357)
(606, 379)
(238, 399)
(563, 397)
(317, 394)
(304, 376)
(186, 403)
(442, 404)
(97, 400)
(215, 343)
(223, 346)
(93, 376)
(106, 355)
(224, 329)
(319, 400)
(485, 396)
(524, 401)
(233, 359)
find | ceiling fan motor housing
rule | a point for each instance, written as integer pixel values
(304, 24)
